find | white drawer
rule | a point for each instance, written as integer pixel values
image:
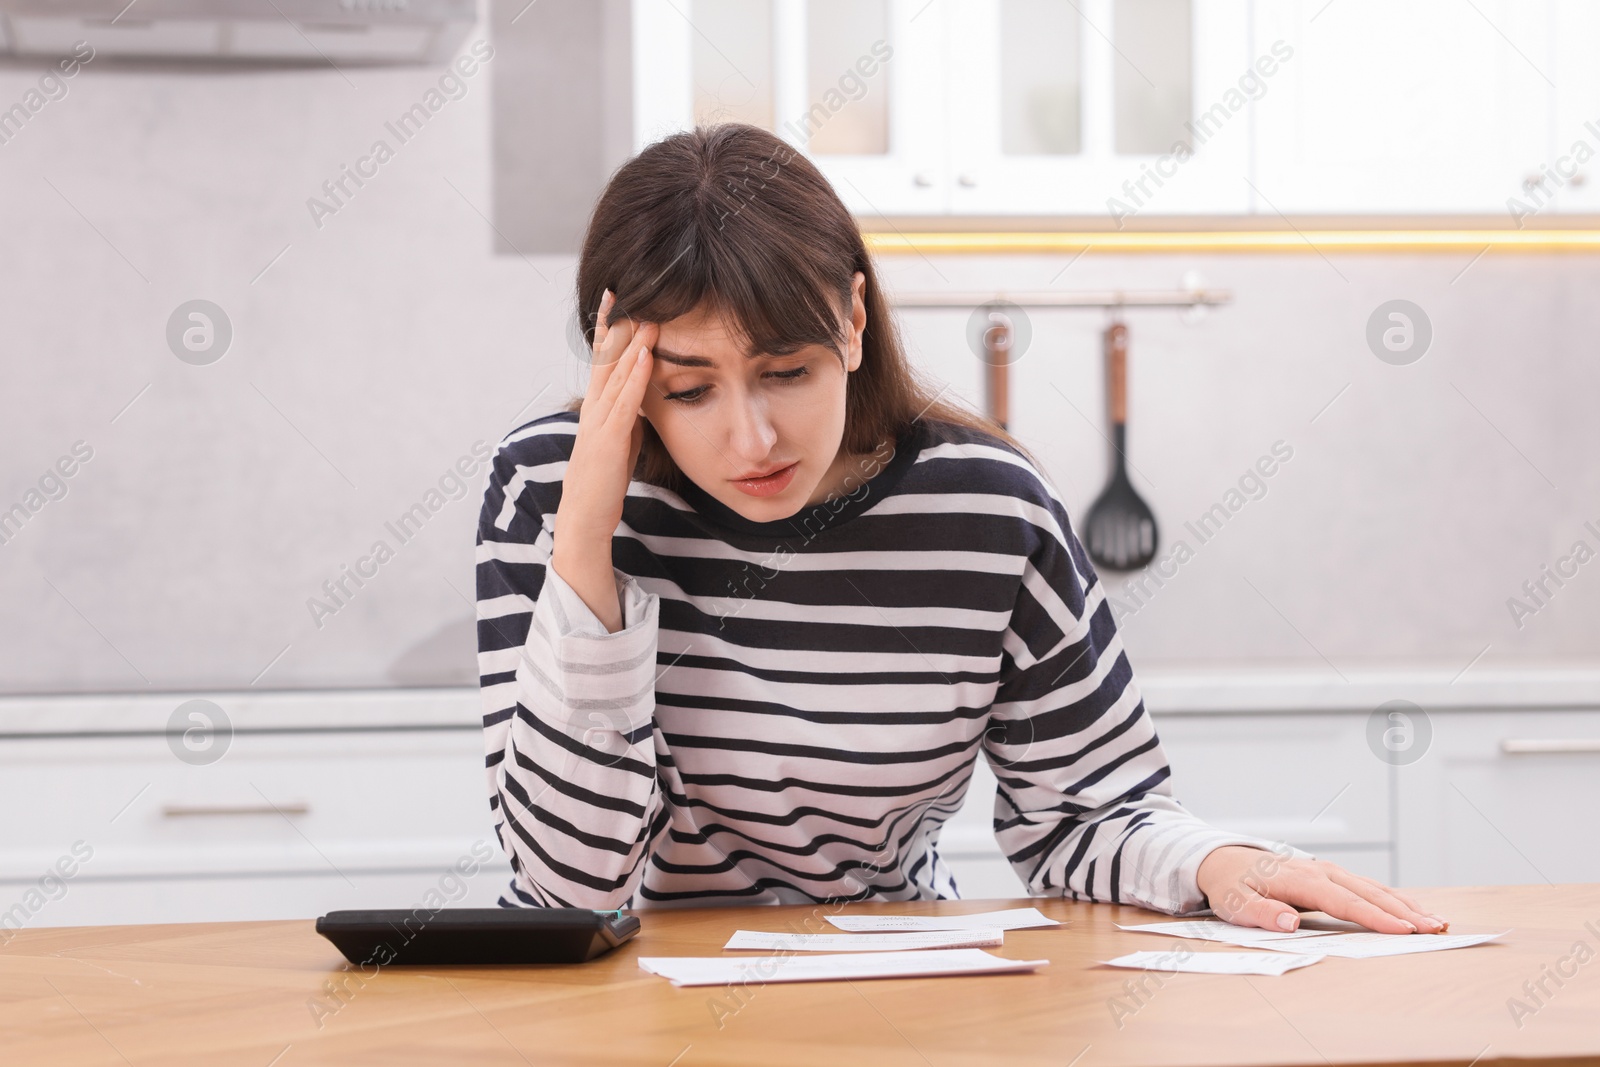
(1211, 755)
(108, 902)
(315, 803)
(1503, 798)
(984, 877)
(1310, 780)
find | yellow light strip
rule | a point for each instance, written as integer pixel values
(890, 243)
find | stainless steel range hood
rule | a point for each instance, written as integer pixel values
(271, 31)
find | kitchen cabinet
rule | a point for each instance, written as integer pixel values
(1497, 796)
(1112, 108)
(1567, 182)
(1424, 107)
(1116, 109)
(1502, 797)
(930, 107)
(377, 798)
(857, 84)
(292, 820)
(1309, 780)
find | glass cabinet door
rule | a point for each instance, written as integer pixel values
(852, 83)
(1098, 107)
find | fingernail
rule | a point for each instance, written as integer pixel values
(1286, 921)
(1410, 926)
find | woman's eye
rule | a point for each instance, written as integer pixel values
(695, 395)
(688, 396)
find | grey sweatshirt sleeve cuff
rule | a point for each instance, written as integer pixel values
(574, 618)
(581, 664)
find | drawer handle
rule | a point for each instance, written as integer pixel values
(1531, 748)
(179, 811)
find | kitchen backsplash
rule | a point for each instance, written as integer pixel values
(372, 355)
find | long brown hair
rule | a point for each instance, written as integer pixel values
(732, 216)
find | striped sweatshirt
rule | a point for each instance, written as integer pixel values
(793, 708)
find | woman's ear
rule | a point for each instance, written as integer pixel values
(858, 319)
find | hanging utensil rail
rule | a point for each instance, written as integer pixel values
(1105, 298)
(997, 339)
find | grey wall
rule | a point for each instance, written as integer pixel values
(1413, 507)
(371, 353)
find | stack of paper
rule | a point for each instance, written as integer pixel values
(925, 946)
(1362, 944)
(1217, 930)
(770, 942)
(1368, 945)
(1214, 962)
(877, 946)
(1012, 919)
(695, 970)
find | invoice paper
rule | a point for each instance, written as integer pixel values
(1214, 962)
(912, 939)
(1012, 919)
(1361, 944)
(712, 970)
(1226, 932)
(1368, 945)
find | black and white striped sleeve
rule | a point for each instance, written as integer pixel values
(568, 707)
(1084, 807)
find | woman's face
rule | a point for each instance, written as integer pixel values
(724, 415)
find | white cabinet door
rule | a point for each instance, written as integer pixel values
(1425, 106)
(285, 824)
(303, 802)
(1310, 780)
(86, 901)
(909, 177)
(1569, 180)
(1503, 798)
(1055, 110)
(968, 847)
(855, 84)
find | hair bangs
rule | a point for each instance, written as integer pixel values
(776, 296)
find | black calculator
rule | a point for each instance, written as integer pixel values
(387, 936)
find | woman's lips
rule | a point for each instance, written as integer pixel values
(771, 485)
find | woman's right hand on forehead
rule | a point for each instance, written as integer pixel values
(610, 429)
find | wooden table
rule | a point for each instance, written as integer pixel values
(258, 994)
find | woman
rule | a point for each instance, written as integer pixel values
(751, 607)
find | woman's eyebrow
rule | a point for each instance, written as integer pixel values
(682, 361)
(692, 361)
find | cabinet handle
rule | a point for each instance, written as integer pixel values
(922, 179)
(179, 811)
(1532, 748)
(967, 180)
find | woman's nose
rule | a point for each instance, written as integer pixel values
(752, 434)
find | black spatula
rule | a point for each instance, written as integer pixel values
(1122, 529)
